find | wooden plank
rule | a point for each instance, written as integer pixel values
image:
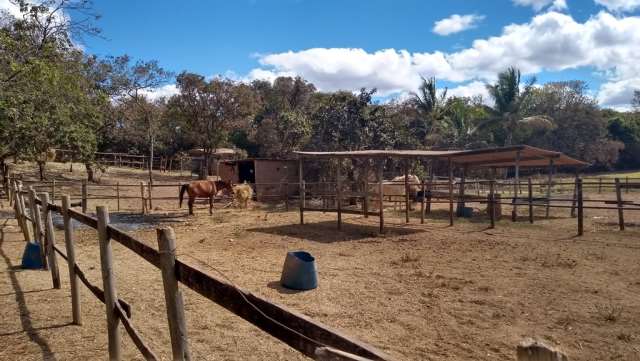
(134, 334)
(620, 204)
(331, 354)
(71, 261)
(150, 254)
(109, 285)
(172, 295)
(302, 190)
(294, 329)
(381, 195)
(335, 210)
(37, 226)
(50, 237)
(580, 207)
(339, 193)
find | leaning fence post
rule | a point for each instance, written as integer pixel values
(172, 294)
(84, 196)
(37, 226)
(580, 207)
(71, 260)
(51, 241)
(19, 204)
(109, 283)
(620, 204)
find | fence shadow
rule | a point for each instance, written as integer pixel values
(326, 231)
(25, 314)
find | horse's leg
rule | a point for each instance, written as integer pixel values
(211, 205)
(191, 200)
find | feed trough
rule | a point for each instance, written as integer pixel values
(299, 271)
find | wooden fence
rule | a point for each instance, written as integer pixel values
(33, 212)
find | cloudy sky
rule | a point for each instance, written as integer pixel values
(386, 44)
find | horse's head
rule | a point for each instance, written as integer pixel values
(221, 186)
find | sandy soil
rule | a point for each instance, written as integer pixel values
(419, 292)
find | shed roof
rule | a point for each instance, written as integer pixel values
(488, 157)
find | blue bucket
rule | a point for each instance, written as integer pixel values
(32, 257)
(299, 271)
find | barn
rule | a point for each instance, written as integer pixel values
(270, 177)
(197, 159)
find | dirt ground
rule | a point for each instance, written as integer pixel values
(419, 292)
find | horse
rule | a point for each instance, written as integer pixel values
(242, 193)
(203, 188)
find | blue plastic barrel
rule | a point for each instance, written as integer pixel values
(299, 271)
(32, 258)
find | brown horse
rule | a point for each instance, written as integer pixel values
(203, 188)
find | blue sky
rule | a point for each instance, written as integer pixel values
(387, 44)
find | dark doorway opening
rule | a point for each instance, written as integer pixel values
(246, 172)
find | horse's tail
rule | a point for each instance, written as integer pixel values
(183, 189)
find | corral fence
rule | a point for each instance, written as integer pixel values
(33, 212)
(141, 193)
(358, 198)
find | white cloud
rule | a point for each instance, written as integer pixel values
(538, 5)
(456, 23)
(619, 5)
(10, 7)
(470, 90)
(164, 91)
(551, 41)
(618, 94)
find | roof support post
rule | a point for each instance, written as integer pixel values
(516, 188)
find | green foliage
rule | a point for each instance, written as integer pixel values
(625, 128)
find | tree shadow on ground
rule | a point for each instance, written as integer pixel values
(327, 232)
(25, 314)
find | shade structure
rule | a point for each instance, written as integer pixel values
(523, 155)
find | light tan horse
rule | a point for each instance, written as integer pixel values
(202, 189)
(243, 193)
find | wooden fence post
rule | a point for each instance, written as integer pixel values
(286, 196)
(142, 200)
(339, 193)
(51, 241)
(450, 192)
(149, 189)
(599, 185)
(620, 204)
(381, 194)
(84, 196)
(406, 190)
(109, 283)
(429, 192)
(37, 226)
(626, 190)
(172, 294)
(574, 199)
(491, 203)
(53, 191)
(302, 190)
(19, 204)
(530, 190)
(71, 260)
(580, 207)
(118, 195)
(422, 189)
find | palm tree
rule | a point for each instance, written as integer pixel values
(431, 109)
(509, 102)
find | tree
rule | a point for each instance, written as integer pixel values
(282, 122)
(580, 128)
(509, 101)
(625, 128)
(635, 102)
(209, 110)
(131, 82)
(431, 108)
